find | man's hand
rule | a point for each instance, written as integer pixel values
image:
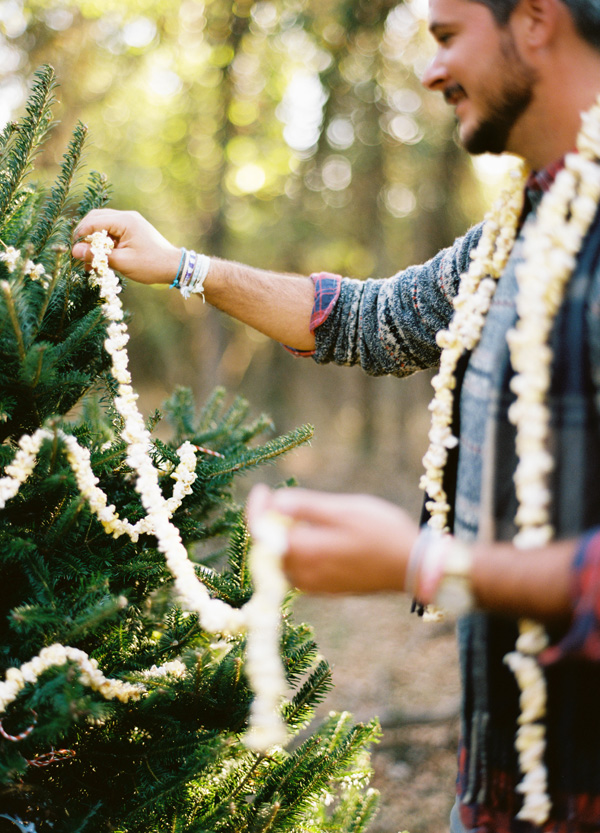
(140, 253)
(340, 543)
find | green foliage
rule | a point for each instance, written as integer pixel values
(300, 125)
(175, 760)
(21, 142)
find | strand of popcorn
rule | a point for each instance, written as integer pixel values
(35, 271)
(551, 247)
(215, 615)
(263, 662)
(471, 304)
(260, 617)
(79, 458)
(57, 655)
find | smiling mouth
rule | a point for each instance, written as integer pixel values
(454, 95)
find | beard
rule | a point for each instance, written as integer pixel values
(504, 106)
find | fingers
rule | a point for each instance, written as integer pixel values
(297, 504)
(339, 543)
(82, 251)
(96, 220)
(115, 223)
(140, 251)
(310, 506)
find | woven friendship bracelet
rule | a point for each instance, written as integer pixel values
(191, 274)
(179, 269)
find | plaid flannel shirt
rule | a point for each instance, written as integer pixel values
(388, 327)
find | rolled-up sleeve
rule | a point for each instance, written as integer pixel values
(582, 640)
(388, 326)
(327, 291)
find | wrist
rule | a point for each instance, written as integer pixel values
(440, 571)
(170, 265)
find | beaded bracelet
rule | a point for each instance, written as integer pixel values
(191, 273)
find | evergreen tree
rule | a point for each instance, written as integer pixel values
(173, 757)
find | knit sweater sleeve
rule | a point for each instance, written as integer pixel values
(388, 326)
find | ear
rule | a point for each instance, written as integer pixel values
(536, 23)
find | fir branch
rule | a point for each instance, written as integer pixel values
(268, 822)
(180, 411)
(60, 252)
(238, 554)
(235, 415)
(25, 205)
(14, 319)
(27, 138)
(313, 691)
(51, 212)
(298, 660)
(96, 195)
(260, 425)
(365, 812)
(5, 136)
(270, 451)
(212, 407)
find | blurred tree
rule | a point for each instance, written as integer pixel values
(286, 133)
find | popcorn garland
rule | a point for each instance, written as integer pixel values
(550, 252)
(90, 675)
(262, 653)
(259, 617)
(471, 304)
(551, 245)
(215, 615)
(79, 458)
(36, 272)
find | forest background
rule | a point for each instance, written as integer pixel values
(294, 135)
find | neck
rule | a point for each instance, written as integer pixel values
(549, 128)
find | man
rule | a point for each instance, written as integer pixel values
(519, 73)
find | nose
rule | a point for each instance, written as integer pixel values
(435, 76)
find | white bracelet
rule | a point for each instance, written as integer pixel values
(192, 272)
(439, 572)
(195, 285)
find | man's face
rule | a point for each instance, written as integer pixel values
(480, 72)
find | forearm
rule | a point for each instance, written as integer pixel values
(533, 584)
(276, 304)
(360, 544)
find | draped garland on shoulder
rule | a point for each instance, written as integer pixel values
(551, 246)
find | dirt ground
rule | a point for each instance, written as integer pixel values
(390, 664)
(386, 661)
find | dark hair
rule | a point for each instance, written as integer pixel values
(585, 14)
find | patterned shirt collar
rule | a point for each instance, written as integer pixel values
(539, 183)
(543, 180)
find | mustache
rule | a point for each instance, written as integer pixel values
(450, 93)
